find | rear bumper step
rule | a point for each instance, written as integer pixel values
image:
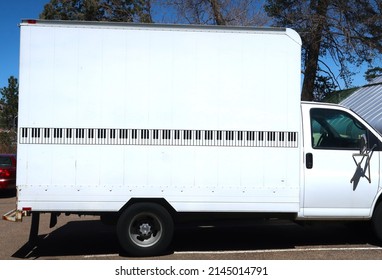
(14, 216)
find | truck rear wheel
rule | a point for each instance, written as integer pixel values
(377, 221)
(145, 229)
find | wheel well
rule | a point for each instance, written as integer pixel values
(379, 201)
(111, 218)
(161, 201)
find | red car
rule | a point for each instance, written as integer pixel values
(7, 172)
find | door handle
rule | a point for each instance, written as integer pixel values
(309, 160)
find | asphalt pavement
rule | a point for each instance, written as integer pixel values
(86, 238)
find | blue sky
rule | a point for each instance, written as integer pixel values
(11, 13)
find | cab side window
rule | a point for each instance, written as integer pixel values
(335, 129)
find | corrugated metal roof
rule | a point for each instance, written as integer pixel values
(367, 102)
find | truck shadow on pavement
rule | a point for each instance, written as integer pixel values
(92, 239)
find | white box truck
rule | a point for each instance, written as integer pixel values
(152, 123)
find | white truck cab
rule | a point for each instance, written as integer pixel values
(341, 176)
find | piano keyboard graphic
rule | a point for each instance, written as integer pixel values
(158, 137)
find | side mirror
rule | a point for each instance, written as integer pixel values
(362, 144)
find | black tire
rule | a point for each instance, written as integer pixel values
(377, 221)
(145, 229)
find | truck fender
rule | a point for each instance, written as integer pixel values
(160, 200)
(377, 201)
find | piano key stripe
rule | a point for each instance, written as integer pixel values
(158, 137)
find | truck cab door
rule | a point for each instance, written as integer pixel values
(341, 180)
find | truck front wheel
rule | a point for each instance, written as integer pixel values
(145, 229)
(377, 221)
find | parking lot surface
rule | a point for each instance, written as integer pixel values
(86, 238)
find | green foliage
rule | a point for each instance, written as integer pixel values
(8, 142)
(98, 10)
(8, 115)
(372, 73)
(337, 96)
(127, 10)
(72, 10)
(323, 87)
(9, 103)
